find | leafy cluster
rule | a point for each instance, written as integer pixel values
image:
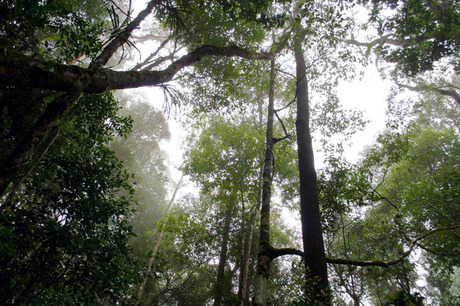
(64, 233)
(427, 30)
(59, 30)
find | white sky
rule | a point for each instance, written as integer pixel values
(368, 95)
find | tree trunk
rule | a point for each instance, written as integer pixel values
(140, 293)
(263, 261)
(243, 288)
(314, 255)
(244, 280)
(223, 253)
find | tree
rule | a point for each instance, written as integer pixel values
(229, 186)
(24, 71)
(418, 34)
(65, 229)
(382, 206)
(143, 157)
(423, 34)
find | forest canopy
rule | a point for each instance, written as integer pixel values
(94, 211)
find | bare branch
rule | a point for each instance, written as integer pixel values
(284, 128)
(152, 55)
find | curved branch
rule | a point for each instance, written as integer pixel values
(21, 70)
(451, 92)
(275, 253)
(282, 124)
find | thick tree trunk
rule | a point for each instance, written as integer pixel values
(263, 262)
(140, 293)
(314, 255)
(223, 254)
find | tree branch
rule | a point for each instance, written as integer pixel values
(275, 253)
(23, 71)
(387, 39)
(451, 92)
(120, 38)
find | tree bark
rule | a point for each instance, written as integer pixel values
(23, 71)
(244, 280)
(314, 255)
(223, 253)
(263, 261)
(140, 293)
(24, 151)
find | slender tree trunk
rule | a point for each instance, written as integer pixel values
(223, 253)
(24, 151)
(263, 261)
(314, 255)
(244, 280)
(243, 288)
(140, 293)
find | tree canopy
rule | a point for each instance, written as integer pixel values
(92, 213)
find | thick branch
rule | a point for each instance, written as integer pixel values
(450, 93)
(275, 253)
(23, 71)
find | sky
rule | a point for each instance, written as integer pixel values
(368, 95)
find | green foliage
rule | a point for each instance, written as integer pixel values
(427, 31)
(221, 85)
(401, 298)
(65, 233)
(425, 184)
(60, 30)
(142, 156)
(225, 156)
(184, 272)
(342, 187)
(220, 22)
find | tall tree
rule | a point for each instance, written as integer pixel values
(314, 255)
(264, 257)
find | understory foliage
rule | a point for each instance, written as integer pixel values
(65, 231)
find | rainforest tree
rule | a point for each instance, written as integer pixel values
(57, 71)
